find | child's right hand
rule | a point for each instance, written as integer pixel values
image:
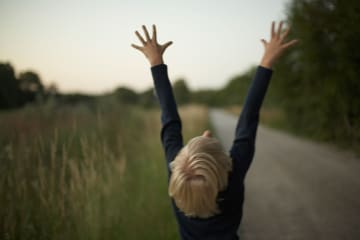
(276, 46)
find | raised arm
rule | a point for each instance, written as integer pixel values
(171, 136)
(245, 133)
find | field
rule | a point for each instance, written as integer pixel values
(85, 172)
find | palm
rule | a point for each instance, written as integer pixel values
(151, 48)
(277, 45)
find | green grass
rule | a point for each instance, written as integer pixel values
(87, 173)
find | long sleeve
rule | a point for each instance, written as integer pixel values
(171, 136)
(243, 147)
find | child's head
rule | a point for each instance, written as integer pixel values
(199, 172)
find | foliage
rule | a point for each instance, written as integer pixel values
(205, 96)
(147, 98)
(126, 95)
(181, 92)
(31, 86)
(319, 80)
(236, 89)
(9, 90)
(16, 92)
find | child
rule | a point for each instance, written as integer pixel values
(206, 185)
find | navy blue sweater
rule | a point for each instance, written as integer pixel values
(223, 226)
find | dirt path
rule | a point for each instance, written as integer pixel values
(296, 189)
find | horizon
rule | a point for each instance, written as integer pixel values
(84, 46)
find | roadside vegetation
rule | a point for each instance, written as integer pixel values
(80, 166)
(80, 173)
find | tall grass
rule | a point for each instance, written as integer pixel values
(269, 116)
(83, 173)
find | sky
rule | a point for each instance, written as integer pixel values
(84, 45)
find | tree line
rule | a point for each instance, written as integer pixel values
(17, 91)
(316, 84)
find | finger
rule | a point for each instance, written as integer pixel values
(207, 133)
(279, 29)
(286, 33)
(263, 42)
(146, 33)
(137, 47)
(140, 37)
(154, 37)
(272, 29)
(166, 45)
(290, 44)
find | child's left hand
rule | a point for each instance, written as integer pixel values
(151, 48)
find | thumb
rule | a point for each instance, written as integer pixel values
(137, 47)
(166, 45)
(263, 42)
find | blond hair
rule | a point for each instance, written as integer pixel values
(199, 172)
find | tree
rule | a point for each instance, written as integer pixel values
(52, 89)
(148, 98)
(205, 96)
(126, 95)
(181, 92)
(9, 90)
(236, 89)
(30, 84)
(319, 79)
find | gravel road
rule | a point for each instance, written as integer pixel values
(296, 188)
